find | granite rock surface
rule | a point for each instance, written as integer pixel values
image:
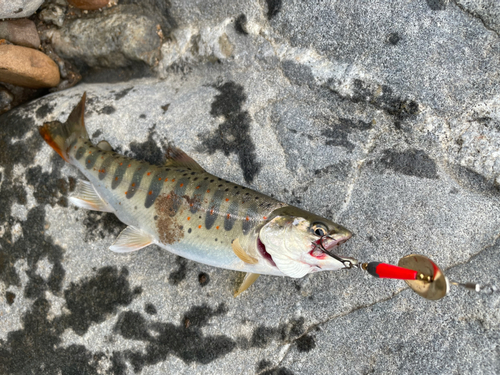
(384, 118)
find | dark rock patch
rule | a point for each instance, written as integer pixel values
(186, 340)
(437, 4)
(122, 93)
(472, 181)
(179, 274)
(337, 133)
(107, 110)
(298, 73)
(10, 297)
(305, 343)
(148, 150)
(273, 8)
(233, 135)
(44, 110)
(277, 371)
(394, 38)
(286, 332)
(99, 225)
(97, 133)
(240, 24)
(92, 300)
(150, 309)
(411, 162)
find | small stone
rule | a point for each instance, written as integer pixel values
(18, 8)
(89, 4)
(27, 67)
(53, 14)
(6, 99)
(21, 32)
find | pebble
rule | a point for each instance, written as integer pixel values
(89, 4)
(27, 67)
(6, 99)
(21, 32)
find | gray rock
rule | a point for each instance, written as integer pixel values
(381, 118)
(18, 8)
(115, 37)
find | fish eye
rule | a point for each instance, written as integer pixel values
(319, 229)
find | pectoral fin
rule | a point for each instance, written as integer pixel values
(240, 253)
(86, 197)
(247, 281)
(131, 239)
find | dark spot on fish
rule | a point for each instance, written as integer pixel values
(155, 217)
(165, 107)
(203, 279)
(190, 230)
(10, 297)
(233, 135)
(240, 24)
(18, 11)
(150, 309)
(273, 8)
(168, 229)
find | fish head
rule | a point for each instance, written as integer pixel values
(300, 242)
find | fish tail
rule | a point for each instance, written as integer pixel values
(60, 136)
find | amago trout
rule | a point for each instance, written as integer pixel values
(186, 210)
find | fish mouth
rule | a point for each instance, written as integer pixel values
(328, 242)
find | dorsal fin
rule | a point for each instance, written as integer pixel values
(178, 158)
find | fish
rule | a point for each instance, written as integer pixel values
(182, 208)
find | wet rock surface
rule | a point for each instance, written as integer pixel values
(382, 118)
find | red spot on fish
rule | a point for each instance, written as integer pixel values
(166, 179)
(208, 191)
(126, 192)
(90, 152)
(199, 226)
(129, 166)
(150, 192)
(227, 199)
(102, 157)
(133, 184)
(217, 227)
(265, 217)
(121, 163)
(148, 173)
(228, 216)
(197, 187)
(168, 196)
(159, 179)
(182, 185)
(212, 211)
(173, 179)
(88, 161)
(116, 178)
(189, 217)
(247, 218)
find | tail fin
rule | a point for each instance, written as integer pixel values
(59, 136)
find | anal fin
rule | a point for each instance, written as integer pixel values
(131, 239)
(86, 197)
(240, 253)
(247, 281)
